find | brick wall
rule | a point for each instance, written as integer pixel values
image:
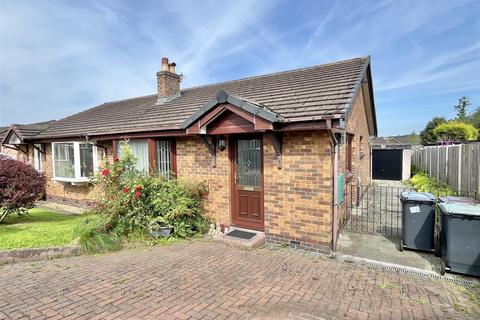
(357, 124)
(168, 84)
(14, 153)
(361, 151)
(298, 197)
(194, 163)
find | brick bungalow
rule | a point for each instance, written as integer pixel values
(276, 150)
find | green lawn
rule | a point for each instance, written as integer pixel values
(39, 228)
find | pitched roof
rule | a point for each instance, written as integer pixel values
(385, 140)
(297, 95)
(388, 143)
(3, 131)
(25, 131)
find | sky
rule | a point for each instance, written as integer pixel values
(61, 57)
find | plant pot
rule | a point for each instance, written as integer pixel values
(163, 232)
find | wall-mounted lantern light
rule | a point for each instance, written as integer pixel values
(222, 143)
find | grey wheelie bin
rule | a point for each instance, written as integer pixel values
(447, 199)
(460, 238)
(418, 221)
(454, 199)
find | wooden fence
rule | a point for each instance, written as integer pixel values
(458, 165)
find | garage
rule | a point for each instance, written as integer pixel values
(390, 159)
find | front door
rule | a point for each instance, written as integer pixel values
(247, 176)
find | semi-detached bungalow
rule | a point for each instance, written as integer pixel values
(277, 151)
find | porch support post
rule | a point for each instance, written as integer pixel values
(211, 147)
(276, 138)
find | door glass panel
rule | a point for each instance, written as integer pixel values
(248, 162)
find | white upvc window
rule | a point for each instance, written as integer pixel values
(73, 162)
(37, 157)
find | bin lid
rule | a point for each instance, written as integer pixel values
(453, 199)
(460, 209)
(417, 196)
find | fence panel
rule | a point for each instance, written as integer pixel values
(457, 165)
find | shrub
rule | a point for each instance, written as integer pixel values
(423, 183)
(20, 186)
(136, 202)
(455, 131)
(96, 235)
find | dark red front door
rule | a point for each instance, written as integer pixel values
(247, 183)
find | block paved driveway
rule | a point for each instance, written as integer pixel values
(206, 280)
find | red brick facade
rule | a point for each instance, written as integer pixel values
(298, 197)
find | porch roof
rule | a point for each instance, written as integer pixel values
(23, 132)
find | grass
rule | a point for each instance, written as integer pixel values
(93, 238)
(38, 228)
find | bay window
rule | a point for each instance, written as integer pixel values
(73, 161)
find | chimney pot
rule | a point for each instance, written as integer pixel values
(164, 64)
(172, 67)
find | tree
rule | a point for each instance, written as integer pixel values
(474, 118)
(455, 131)
(20, 186)
(461, 108)
(427, 136)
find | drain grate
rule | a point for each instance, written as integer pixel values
(417, 273)
(241, 234)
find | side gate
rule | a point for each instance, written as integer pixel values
(374, 209)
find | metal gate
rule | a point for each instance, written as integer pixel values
(374, 209)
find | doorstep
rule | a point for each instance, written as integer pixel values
(256, 241)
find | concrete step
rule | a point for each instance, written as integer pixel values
(256, 241)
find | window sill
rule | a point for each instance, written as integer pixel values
(74, 182)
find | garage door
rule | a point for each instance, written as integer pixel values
(387, 164)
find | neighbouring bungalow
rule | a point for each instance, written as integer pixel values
(277, 151)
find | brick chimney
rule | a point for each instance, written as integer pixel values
(168, 82)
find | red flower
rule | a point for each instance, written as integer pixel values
(105, 172)
(138, 194)
(115, 159)
(126, 189)
(138, 188)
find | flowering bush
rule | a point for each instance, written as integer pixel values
(136, 201)
(20, 186)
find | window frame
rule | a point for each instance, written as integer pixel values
(76, 162)
(349, 153)
(116, 153)
(173, 155)
(152, 152)
(37, 157)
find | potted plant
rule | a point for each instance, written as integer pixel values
(160, 228)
